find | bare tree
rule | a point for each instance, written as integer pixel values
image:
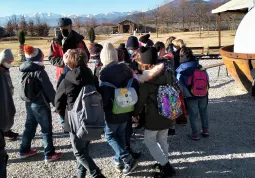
(15, 22)
(23, 23)
(9, 28)
(199, 13)
(156, 14)
(31, 27)
(77, 22)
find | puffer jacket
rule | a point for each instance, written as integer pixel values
(43, 86)
(148, 97)
(117, 74)
(73, 41)
(185, 70)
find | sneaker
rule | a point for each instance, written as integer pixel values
(135, 155)
(171, 132)
(181, 121)
(194, 136)
(157, 166)
(118, 165)
(205, 133)
(54, 157)
(32, 152)
(10, 136)
(130, 167)
(167, 170)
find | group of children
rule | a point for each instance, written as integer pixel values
(138, 64)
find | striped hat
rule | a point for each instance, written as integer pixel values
(6, 56)
(33, 54)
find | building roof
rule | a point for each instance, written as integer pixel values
(127, 20)
(235, 6)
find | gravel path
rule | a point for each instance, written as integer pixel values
(228, 152)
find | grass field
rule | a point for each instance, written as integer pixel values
(190, 38)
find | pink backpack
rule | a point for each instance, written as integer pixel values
(199, 83)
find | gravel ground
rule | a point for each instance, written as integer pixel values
(228, 152)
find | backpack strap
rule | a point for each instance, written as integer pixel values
(108, 84)
(130, 82)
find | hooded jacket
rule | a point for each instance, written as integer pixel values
(70, 88)
(57, 50)
(185, 70)
(148, 97)
(117, 74)
(43, 83)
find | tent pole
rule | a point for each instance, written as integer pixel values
(219, 29)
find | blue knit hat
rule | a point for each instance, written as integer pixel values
(132, 43)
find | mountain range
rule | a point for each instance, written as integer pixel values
(52, 18)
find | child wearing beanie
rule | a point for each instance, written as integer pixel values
(37, 92)
(156, 126)
(7, 108)
(6, 58)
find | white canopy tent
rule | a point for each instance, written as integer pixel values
(234, 6)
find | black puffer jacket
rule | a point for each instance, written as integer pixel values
(70, 88)
(118, 75)
(42, 86)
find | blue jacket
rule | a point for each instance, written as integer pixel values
(183, 72)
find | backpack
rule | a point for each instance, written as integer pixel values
(199, 82)
(169, 101)
(29, 87)
(124, 98)
(86, 119)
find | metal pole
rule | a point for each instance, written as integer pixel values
(219, 29)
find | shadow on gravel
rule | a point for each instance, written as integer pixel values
(222, 84)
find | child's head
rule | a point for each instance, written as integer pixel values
(186, 55)
(108, 54)
(95, 51)
(33, 54)
(132, 44)
(74, 58)
(170, 40)
(146, 58)
(6, 58)
(178, 43)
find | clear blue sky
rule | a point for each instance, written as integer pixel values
(9, 7)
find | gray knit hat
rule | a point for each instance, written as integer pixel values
(6, 56)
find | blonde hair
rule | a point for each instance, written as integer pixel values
(75, 57)
(179, 43)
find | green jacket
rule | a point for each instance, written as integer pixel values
(148, 96)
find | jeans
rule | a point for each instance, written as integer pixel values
(115, 135)
(129, 132)
(156, 142)
(84, 161)
(38, 114)
(3, 163)
(198, 107)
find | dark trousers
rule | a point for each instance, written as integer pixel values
(84, 160)
(129, 132)
(3, 157)
(38, 114)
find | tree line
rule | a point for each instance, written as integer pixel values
(37, 27)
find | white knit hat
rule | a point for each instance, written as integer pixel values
(6, 56)
(108, 54)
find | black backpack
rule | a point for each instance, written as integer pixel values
(30, 88)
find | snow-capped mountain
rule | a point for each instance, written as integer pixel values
(52, 18)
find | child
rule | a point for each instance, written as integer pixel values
(37, 90)
(197, 106)
(6, 58)
(116, 124)
(156, 126)
(69, 89)
(7, 108)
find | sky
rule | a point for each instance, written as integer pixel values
(75, 7)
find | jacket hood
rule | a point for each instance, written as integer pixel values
(188, 68)
(80, 76)
(29, 66)
(116, 73)
(156, 75)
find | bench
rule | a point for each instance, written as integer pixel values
(216, 65)
(206, 54)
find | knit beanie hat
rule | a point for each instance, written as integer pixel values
(6, 56)
(149, 55)
(95, 51)
(132, 43)
(108, 54)
(63, 22)
(33, 54)
(144, 38)
(122, 46)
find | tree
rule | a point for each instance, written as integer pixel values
(15, 22)
(2, 32)
(23, 23)
(91, 34)
(77, 22)
(41, 28)
(21, 37)
(199, 13)
(9, 28)
(155, 14)
(31, 27)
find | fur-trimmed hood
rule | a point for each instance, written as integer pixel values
(151, 74)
